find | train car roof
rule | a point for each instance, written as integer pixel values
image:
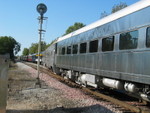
(126, 11)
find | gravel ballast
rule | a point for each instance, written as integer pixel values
(53, 97)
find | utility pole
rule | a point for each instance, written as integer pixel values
(41, 9)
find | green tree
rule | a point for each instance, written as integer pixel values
(25, 52)
(74, 27)
(9, 45)
(104, 14)
(43, 46)
(118, 7)
(114, 9)
(34, 47)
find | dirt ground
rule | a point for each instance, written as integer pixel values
(25, 97)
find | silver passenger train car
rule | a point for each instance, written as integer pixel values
(112, 52)
(48, 57)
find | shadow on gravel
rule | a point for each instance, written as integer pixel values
(89, 109)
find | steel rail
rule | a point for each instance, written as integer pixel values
(94, 93)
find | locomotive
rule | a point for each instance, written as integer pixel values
(113, 52)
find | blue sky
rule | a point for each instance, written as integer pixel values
(18, 18)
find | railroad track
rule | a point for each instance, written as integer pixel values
(122, 104)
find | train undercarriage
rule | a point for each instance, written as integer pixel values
(140, 91)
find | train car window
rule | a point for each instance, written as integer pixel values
(63, 51)
(93, 46)
(108, 44)
(83, 48)
(128, 40)
(56, 48)
(148, 37)
(69, 50)
(75, 49)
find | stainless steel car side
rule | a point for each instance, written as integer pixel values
(112, 52)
